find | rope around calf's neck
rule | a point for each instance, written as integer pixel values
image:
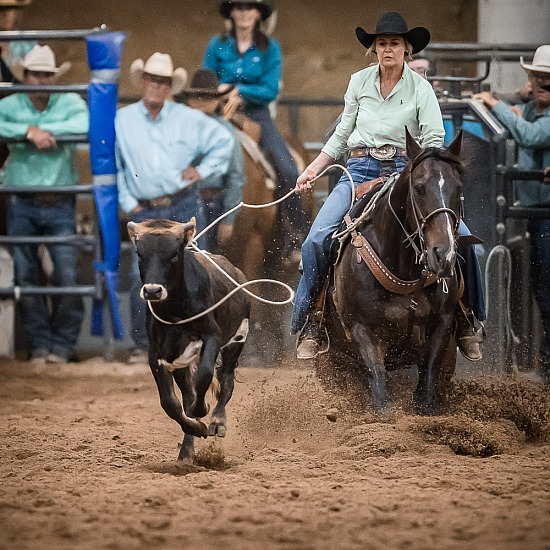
(242, 286)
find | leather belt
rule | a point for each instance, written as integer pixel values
(384, 152)
(166, 200)
(50, 199)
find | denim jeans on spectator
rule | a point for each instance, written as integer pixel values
(181, 210)
(540, 265)
(213, 209)
(56, 331)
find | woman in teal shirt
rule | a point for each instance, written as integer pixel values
(247, 57)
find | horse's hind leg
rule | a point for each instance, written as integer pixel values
(373, 359)
(226, 377)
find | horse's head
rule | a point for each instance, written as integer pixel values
(435, 191)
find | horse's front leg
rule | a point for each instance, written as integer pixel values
(205, 373)
(429, 365)
(372, 352)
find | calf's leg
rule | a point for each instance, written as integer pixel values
(184, 380)
(171, 404)
(226, 377)
(204, 375)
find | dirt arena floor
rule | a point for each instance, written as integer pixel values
(87, 462)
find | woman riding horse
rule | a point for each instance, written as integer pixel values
(380, 102)
(247, 57)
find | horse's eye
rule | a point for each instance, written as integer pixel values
(419, 191)
(174, 259)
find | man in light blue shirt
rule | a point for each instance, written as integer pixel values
(158, 144)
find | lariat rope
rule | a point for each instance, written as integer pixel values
(242, 286)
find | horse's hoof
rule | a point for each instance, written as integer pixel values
(216, 428)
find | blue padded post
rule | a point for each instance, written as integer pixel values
(104, 50)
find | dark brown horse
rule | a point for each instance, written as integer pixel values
(412, 230)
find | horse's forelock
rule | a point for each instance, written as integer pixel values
(440, 154)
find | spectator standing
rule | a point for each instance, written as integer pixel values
(529, 125)
(223, 193)
(245, 56)
(164, 150)
(43, 162)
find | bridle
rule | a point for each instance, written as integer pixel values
(420, 219)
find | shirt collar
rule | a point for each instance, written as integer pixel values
(377, 72)
(160, 116)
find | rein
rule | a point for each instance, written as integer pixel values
(421, 220)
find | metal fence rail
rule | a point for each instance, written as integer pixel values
(88, 242)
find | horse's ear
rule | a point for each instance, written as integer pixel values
(456, 145)
(413, 149)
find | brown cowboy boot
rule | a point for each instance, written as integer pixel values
(469, 334)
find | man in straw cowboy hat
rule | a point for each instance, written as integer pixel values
(529, 125)
(43, 162)
(219, 194)
(164, 150)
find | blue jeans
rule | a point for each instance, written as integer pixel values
(213, 209)
(274, 146)
(58, 331)
(540, 268)
(181, 210)
(316, 248)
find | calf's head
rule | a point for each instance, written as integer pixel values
(160, 247)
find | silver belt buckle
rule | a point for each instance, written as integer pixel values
(382, 153)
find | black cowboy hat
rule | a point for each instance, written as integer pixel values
(392, 22)
(265, 7)
(205, 84)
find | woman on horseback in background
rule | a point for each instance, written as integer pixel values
(380, 102)
(245, 56)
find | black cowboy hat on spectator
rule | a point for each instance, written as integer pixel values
(393, 23)
(265, 7)
(205, 84)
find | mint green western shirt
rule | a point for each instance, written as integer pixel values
(369, 120)
(27, 165)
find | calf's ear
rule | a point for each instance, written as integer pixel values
(133, 231)
(186, 231)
